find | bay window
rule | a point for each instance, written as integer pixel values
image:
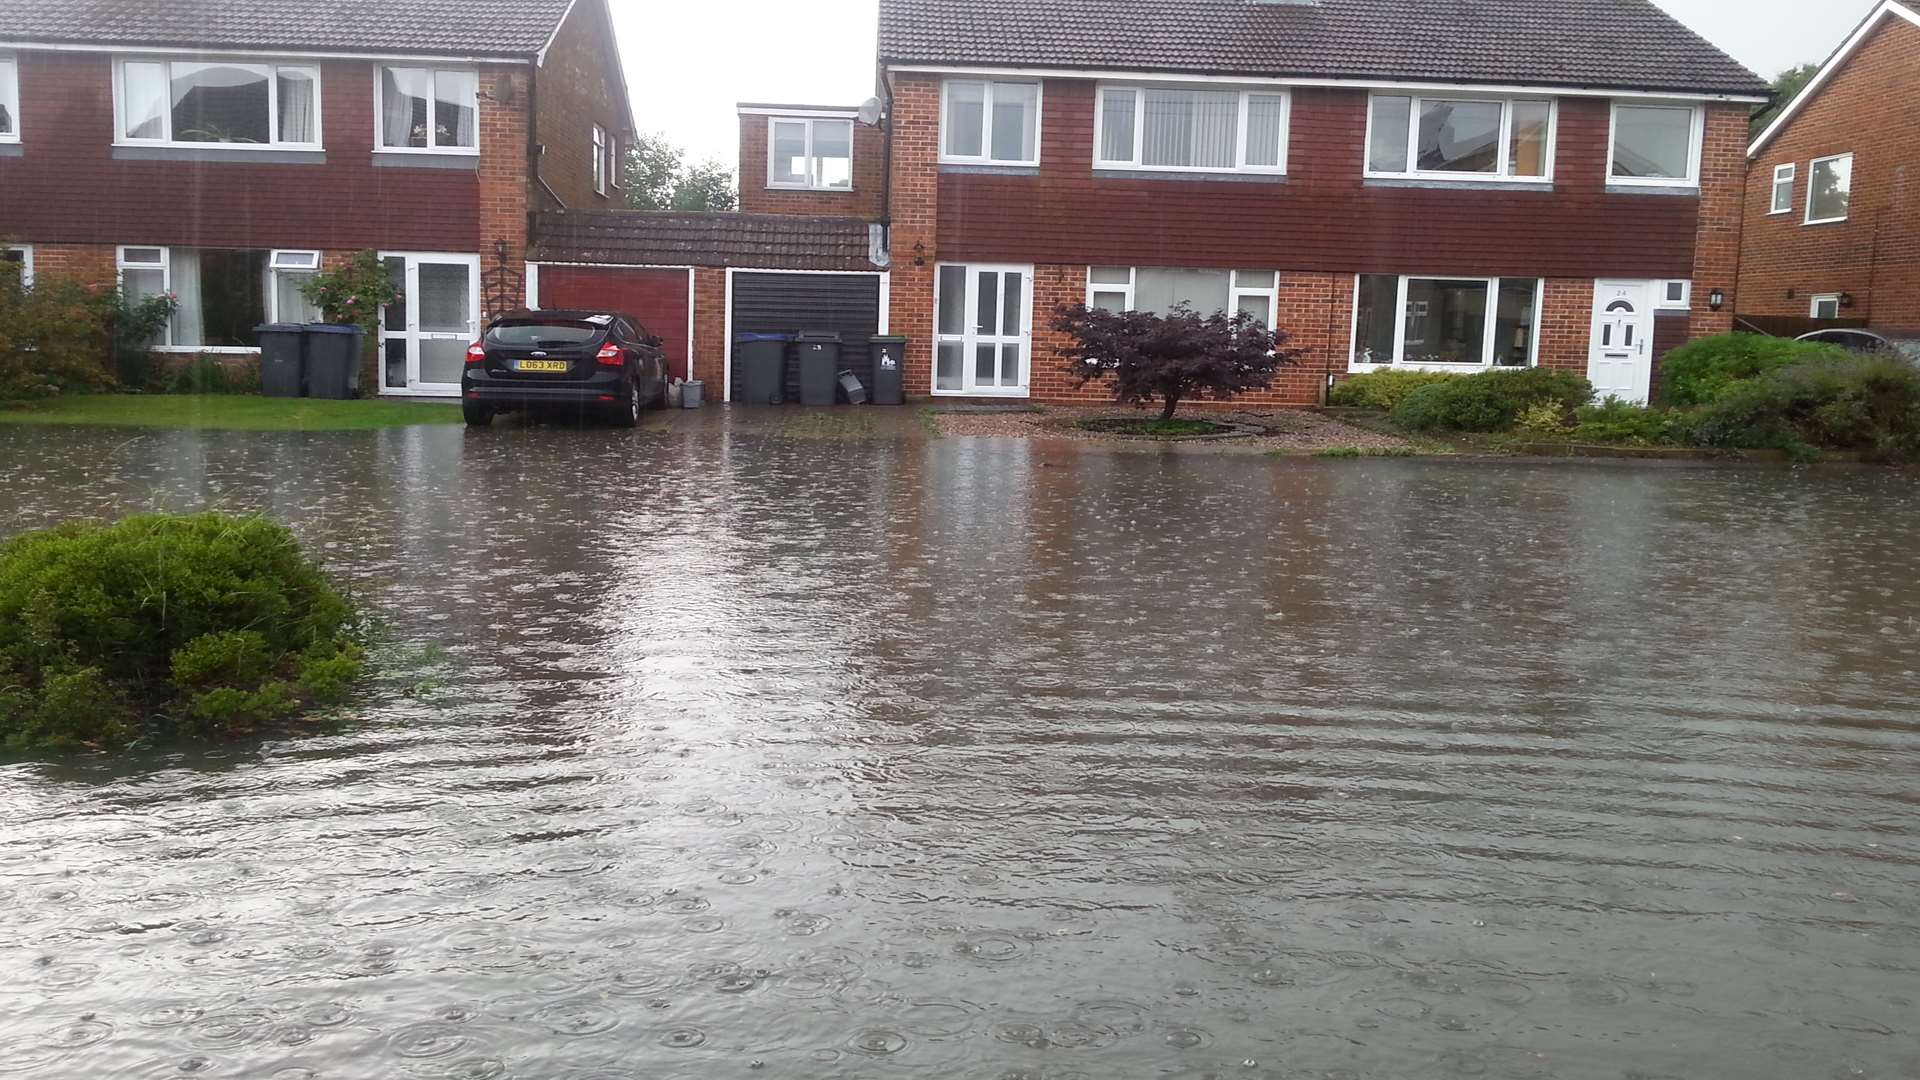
(1655, 145)
(1176, 128)
(1829, 189)
(995, 123)
(804, 152)
(9, 99)
(424, 110)
(221, 295)
(1445, 323)
(1161, 289)
(1460, 138)
(218, 103)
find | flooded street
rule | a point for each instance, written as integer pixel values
(722, 755)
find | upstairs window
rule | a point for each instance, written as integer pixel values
(599, 159)
(995, 123)
(9, 100)
(218, 103)
(422, 110)
(1459, 138)
(1655, 145)
(1829, 189)
(810, 153)
(1782, 190)
(1170, 128)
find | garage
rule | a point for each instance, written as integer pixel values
(768, 302)
(661, 299)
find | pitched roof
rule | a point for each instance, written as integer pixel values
(652, 238)
(1886, 9)
(434, 27)
(1598, 44)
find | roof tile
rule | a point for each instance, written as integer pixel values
(760, 241)
(452, 27)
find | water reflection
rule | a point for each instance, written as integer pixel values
(800, 757)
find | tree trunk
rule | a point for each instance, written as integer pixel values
(1166, 411)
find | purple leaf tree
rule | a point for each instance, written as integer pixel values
(1170, 358)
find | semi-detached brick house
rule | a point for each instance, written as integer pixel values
(1832, 226)
(222, 151)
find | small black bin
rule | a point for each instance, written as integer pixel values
(283, 360)
(819, 366)
(333, 360)
(763, 362)
(889, 355)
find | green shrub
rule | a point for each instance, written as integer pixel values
(208, 375)
(218, 623)
(1543, 419)
(1700, 371)
(1868, 403)
(59, 335)
(1382, 389)
(1489, 401)
(1622, 422)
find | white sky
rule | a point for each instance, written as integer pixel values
(689, 61)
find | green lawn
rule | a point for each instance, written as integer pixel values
(233, 412)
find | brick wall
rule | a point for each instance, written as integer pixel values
(92, 264)
(915, 208)
(1716, 254)
(1566, 324)
(863, 201)
(1866, 109)
(504, 177)
(580, 86)
(710, 330)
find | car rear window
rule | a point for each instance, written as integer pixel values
(543, 333)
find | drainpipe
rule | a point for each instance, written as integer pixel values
(886, 157)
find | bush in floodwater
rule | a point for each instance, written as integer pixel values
(1489, 401)
(215, 622)
(1382, 389)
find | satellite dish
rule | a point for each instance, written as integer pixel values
(870, 111)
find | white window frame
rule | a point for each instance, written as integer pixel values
(812, 182)
(985, 157)
(1235, 290)
(379, 111)
(10, 94)
(165, 265)
(1664, 300)
(1140, 130)
(1696, 139)
(269, 68)
(1498, 176)
(615, 181)
(1813, 307)
(1813, 168)
(1487, 336)
(599, 160)
(280, 261)
(26, 260)
(1782, 174)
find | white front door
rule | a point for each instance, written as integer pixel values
(1620, 363)
(982, 323)
(424, 335)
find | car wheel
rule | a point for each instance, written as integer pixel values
(635, 405)
(477, 415)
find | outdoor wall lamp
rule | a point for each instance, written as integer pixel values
(1846, 299)
(1716, 300)
(919, 253)
(500, 250)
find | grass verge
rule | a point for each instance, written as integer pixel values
(231, 412)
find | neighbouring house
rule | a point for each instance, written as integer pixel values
(221, 152)
(1832, 232)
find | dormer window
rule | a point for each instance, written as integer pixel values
(809, 152)
(218, 103)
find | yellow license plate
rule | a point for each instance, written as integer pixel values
(539, 365)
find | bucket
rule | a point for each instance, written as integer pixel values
(690, 393)
(673, 394)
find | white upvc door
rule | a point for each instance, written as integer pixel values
(1620, 361)
(424, 335)
(983, 325)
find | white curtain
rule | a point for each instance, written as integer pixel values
(296, 106)
(456, 94)
(189, 327)
(1265, 114)
(1015, 111)
(1116, 124)
(403, 106)
(1191, 128)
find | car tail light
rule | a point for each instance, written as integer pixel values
(476, 354)
(610, 356)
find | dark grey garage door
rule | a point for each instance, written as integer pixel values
(792, 303)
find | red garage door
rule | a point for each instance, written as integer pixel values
(657, 298)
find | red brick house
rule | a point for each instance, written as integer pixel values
(1395, 183)
(1832, 231)
(222, 151)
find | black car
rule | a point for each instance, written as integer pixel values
(576, 362)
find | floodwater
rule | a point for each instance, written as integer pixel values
(751, 756)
